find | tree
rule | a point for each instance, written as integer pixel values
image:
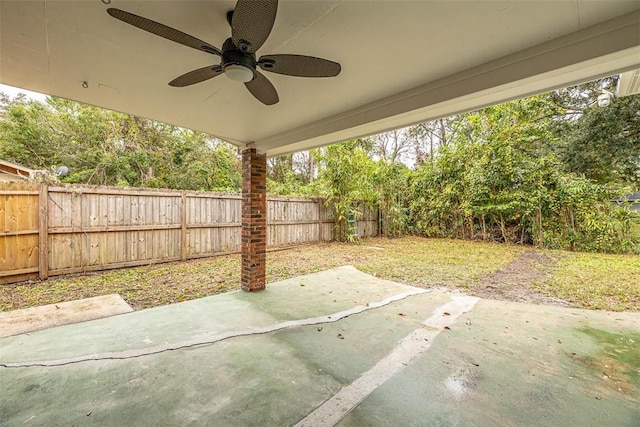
(393, 146)
(25, 136)
(497, 181)
(103, 147)
(428, 137)
(603, 144)
(391, 185)
(344, 181)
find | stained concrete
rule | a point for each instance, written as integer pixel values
(501, 363)
(515, 364)
(47, 316)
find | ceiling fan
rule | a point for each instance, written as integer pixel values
(251, 22)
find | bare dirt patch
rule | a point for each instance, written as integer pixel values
(515, 281)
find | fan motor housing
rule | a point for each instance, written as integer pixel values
(231, 55)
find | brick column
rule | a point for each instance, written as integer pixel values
(254, 220)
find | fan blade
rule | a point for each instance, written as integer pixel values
(262, 89)
(163, 31)
(299, 65)
(196, 76)
(252, 23)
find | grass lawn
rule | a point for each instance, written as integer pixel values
(597, 281)
(592, 281)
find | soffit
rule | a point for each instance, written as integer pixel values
(402, 61)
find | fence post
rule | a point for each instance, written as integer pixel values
(319, 202)
(43, 232)
(183, 229)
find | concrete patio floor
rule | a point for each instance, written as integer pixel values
(335, 347)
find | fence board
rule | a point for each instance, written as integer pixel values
(97, 228)
(19, 238)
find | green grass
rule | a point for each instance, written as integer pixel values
(438, 262)
(597, 281)
(142, 287)
(413, 260)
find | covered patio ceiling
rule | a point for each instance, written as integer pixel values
(403, 62)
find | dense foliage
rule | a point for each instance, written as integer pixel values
(604, 144)
(500, 193)
(501, 180)
(104, 147)
(542, 170)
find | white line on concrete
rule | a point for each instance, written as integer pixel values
(412, 346)
(213, 338)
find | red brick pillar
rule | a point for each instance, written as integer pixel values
(254, 220)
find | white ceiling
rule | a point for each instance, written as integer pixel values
(402, 61)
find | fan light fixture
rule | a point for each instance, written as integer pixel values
(238, 73)
(251, 22)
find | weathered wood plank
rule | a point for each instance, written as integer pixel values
(19, 232)
(43, 236)
(114, 191)
(109, 266)
(20, 192)
(17, 272)
(11, 242)
(183, 226)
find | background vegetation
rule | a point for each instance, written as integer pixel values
(102, 147)
(542, 171)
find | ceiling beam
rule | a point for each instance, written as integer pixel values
(603, 49)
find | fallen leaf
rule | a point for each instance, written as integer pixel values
(446, 313)
(340, 336)
(401, 314)
(447, 328)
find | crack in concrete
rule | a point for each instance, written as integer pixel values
(212, 339)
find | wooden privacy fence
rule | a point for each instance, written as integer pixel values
(53, 230)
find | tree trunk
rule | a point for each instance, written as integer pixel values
(503, 230)
(484, 229)
(539, 224)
